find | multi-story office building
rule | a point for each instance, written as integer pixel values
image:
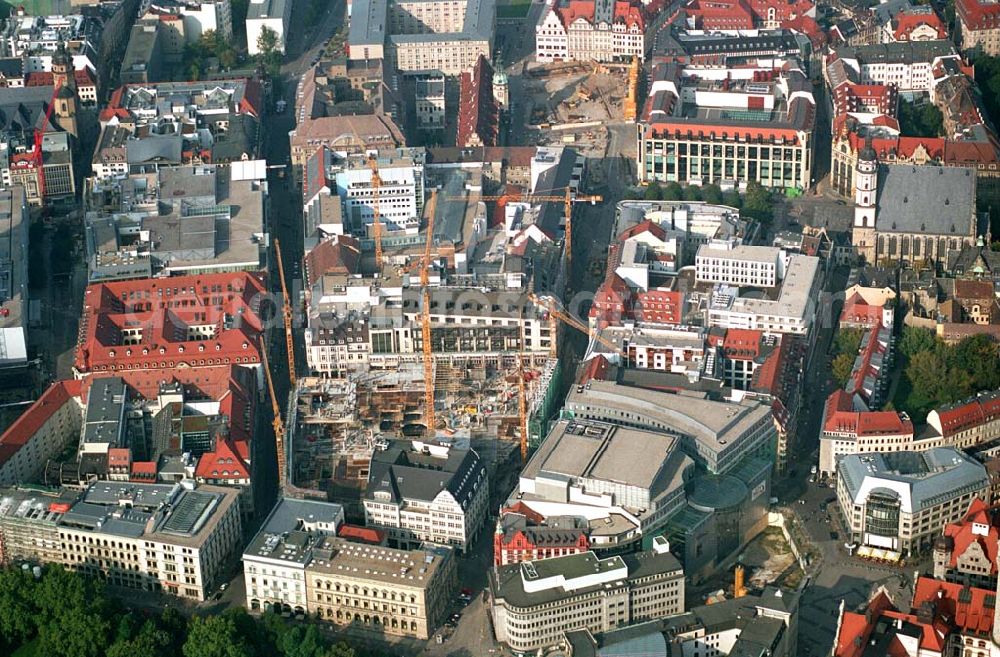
(590, 31)
(535, 602)
(727, 126)
(718, 435)
(274, 562)
(170, 538)
(753, 624)
(204, 121)
(425, 492)
(597, 471)
(789, 308)
(741, 265)
(379, 589)
(978, 26)
(423, 35)
(400, 189)
(901, 501)
(909, 65)
(301, 561)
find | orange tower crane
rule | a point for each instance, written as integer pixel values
(286, 311)
(277, 423)
(425, 319)
(376, 214)
(549, 304)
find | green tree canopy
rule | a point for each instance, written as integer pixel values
(841, 367)
(711, 194)
(653, 192)
(692, 193)
(672, 192)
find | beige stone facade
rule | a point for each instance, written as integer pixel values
(380, 589)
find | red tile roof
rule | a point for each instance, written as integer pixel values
(225, 463)
(478, 113)
(83, 76)
(962, 535)
(905, 23)
(970, 414)
(167, 323)
(340, 255)
(859, 312)
(361, 534)
(143, 471)
(596, 368)
(852, 639)
(659, 307)
(964, 606)
(647, 226)
(742, 344)
(842, 418)
(27, 425)
(978, 15)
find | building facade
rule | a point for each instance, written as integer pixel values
(765, 135)
(378, 589)
(535, 602)
(901, 501)
(446, 508)
(167, 538)
(590, 31)
(978, 25)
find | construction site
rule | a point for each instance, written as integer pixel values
(573, 102)
(334, 425)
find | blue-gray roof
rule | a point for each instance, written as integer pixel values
(919, 479)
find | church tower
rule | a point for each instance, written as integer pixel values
(865, 193)
(64, 80)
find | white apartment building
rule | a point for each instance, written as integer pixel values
(741, 265)
(200, 17)
(274, 562)
(791, 309)
(534, 603)
(908, 65)
(400, 196)
(273, 14)
(901, 501)
(169, 538)
(448, 508)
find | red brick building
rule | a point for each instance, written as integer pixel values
(522, 537)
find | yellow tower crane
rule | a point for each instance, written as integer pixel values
(277, 423)
(286, 311)
(376, 213)
(425, 319)
(550, 305)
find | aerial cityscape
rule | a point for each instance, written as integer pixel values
(471, 328)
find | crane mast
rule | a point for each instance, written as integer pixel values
(277, 423)
(286, 311)
(376, 213)
(425, 319)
